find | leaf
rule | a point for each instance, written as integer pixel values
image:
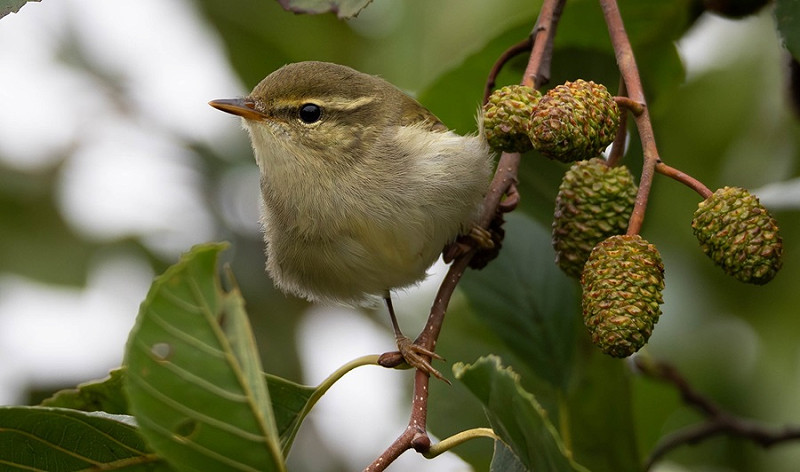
(515, 415)
(194, 380)
(344, 9)
(787, 15)
(101, 395)
(12, 6)
(52, 439)
(290, 402)
(528, 302)
(504, 460)
(600, 412)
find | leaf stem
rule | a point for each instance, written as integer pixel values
(459, 438)
(563, 422)
(326, 384)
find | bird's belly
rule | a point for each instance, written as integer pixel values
(350, 268)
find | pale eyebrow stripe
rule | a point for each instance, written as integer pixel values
(337, 103)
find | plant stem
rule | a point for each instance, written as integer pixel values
(633, 84)
(508, 54)
(538, 71)
(618, 146)
(718, 421)
(459, 438)
(684, 178)
(326, 384)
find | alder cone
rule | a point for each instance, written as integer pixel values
(739, 235)
(622, 283)
(594, 202)
(574, 121)
(506, 116)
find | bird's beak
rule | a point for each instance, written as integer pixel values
(243, 107)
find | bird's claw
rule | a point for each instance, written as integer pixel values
(417, 357)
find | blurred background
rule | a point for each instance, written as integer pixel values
(112, 164)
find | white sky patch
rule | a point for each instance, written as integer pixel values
(125, 171)
(50, 335)
(126, 181)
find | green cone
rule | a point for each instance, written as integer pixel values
(574, 121)
(622, 283)
(594, 202)
(739, 235)
(506, 116)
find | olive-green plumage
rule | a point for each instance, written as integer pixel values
(594, 202)
(739, 235)
(622, 283)
(574, 121)
(506, 116)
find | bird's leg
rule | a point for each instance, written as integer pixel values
(414, 355)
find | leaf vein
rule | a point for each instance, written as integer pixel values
(183, 336)
(191, 413)
(195, 446)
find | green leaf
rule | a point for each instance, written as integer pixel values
(290, 402)
(12, 6)
(599, 411)
(342, 8)
(515, 415)
(528, 302)
(100, 395)
(194, 381)
(504, 460)
(53, 439)
(787, 14)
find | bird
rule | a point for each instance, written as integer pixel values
(362, 186)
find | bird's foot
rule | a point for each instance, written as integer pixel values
(413, 354)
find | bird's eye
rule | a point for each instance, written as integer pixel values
(310, 113)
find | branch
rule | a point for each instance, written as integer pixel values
(633, 84)
(538, 71)
(510, 53)
(503, 183)
(618, 146)
(684, 178)
(718, 421)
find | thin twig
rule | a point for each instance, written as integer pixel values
(684, 178)
(538, 71)
(718, 421)
(635, 107)
(618, 146)
(633, 83)
(508, 54)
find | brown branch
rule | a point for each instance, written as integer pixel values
(633, 83)
(684, 178)
(538, 71)
(503, 183)
(618, 146)
(718, 421)
(510, 53)
(637, 108)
